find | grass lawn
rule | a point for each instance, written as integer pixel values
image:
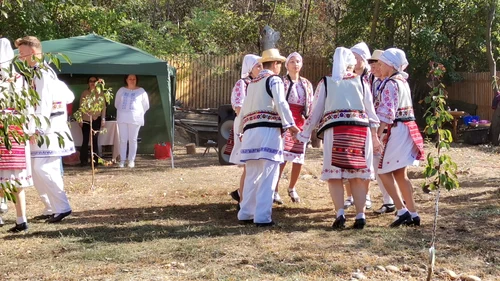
(157, 223)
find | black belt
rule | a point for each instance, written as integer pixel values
(57, 114)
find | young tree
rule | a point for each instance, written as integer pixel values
(99, 97)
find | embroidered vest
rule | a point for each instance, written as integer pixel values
(259, 108)
(405, 105)
(343, 104)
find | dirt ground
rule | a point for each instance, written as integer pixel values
(158, 223)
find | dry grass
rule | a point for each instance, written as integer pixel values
(155, 223)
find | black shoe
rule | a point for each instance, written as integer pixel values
(265, 224)
(359, 224)
(59, 217)
(413, 221)
(42, 217)
(235, 195)
(19, 227)
(339, 223)
(386, 208)
(401, 219)
(245, 221)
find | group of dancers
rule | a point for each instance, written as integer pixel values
(35, 163)
(363, 112)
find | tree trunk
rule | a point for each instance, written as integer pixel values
(495, 122)
(373, 31)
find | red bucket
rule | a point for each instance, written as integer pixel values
(162, 151)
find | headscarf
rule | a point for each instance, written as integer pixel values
(395, 58)
(6, 55)
(362, 50)
(249, 61)
(342, 58)
(294, 54)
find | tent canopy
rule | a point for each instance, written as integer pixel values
(95, 55)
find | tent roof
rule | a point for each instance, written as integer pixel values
(94, 54)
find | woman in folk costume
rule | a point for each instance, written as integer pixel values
(343, 108)
(46, 158)
(15, 164)
(403, 142)
(362, 68)
(250, 68)
(299, 95)
(375, 80)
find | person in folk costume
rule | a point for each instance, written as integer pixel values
(403, 142)
(362, 68)
(265, 114)
(251, 68)
(343, 108)
(15, 164)
(375, 80)
(46, 159)
(299, 95)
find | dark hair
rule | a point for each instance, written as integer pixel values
(268, 64)
(90, 77)
(136, 79)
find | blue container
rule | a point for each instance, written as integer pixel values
(470, 118)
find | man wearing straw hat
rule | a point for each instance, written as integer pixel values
(265, 114)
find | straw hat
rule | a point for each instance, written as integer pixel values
(271, 55)
(375, 56)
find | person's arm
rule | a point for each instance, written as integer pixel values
(238, 95)
(387, 105)
(44, 107)
(118, 98)
(278, 91)
(316, 114)
(145, 101)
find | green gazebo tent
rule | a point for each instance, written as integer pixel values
(102, 57)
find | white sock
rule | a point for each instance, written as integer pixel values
(340, 212)
(402, 211)
(350, 198)
(368, 197)
(413, 214)
(291, 189)
(360, 216)
(20, 220)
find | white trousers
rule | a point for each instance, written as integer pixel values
(260, 181)
(49, 183)
(128, 133)
(386, 197)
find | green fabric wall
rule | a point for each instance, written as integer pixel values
(155, 128)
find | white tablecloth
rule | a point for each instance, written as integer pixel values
(110, 137)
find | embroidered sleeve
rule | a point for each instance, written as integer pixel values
(310, 96)
(387, 103)
(278, 90)
(318, 109)
(238, 94)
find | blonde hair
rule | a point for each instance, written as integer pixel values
(30, 41)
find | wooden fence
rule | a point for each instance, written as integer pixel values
(207, 81)
(475, 89)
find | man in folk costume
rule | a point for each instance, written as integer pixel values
(362, 68)
(375, 80)
(250, 68)
(46, 159)
(265, 113)
(299, 95)
(343, 108)
(15, 164)
(403, 142)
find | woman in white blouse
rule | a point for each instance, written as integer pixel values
(131, 104)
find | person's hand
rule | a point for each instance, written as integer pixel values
(240, 137)
(103, 123)
(377, 145)
(294, 130)
(80, 124)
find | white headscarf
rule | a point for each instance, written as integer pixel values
(249, 61)
(6, 55)
(363, 51)
(395, 58)
(294, 54)
(342, 58)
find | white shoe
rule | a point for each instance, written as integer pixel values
(368, 203)
(131, 164)
(3, 206)
(277, 199)
(348, 203)
(121, 164)
(294, 195)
